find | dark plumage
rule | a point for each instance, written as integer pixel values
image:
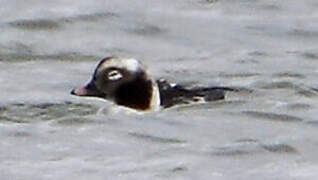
(126, 82)
(177, 94)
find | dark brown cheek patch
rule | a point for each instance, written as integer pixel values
(136, 94)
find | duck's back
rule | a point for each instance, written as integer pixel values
(171, 95)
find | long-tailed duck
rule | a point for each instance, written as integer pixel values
(126, 82)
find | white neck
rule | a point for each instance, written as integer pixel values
(155, 99)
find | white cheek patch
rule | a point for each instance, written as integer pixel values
(131, 64)
(114, 75)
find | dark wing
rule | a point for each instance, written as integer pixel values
(171, 95)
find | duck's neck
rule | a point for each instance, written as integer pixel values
(137, 94)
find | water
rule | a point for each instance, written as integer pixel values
(48, 48)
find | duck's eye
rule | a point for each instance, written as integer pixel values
(114, 75)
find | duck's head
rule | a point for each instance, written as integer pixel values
(124, 81)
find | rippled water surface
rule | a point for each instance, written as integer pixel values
(268, 47)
